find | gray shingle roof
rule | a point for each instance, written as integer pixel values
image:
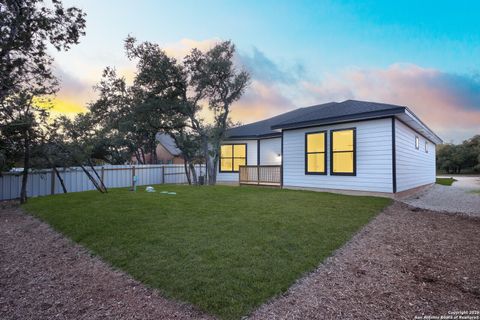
(168, 143)
(317, 114)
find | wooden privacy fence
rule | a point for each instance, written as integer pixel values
(260, 175)
(44, 182)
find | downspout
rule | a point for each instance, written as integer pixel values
(281, 162)
(258, 152)
(394, 160)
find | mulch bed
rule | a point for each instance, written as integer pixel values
(407, 262)
(45, 276)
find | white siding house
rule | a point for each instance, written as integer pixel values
(374, 159)
(271, 151)
(251, 160)
(270, 154)
(415, 166)
(350, 146)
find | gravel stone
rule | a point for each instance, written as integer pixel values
(407, 262)
(447, 199)
(43, 275)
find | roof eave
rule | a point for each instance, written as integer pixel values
(254, 137)
(350, 117)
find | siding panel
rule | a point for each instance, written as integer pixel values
(415, 167)
(269, 151)
(374, 158)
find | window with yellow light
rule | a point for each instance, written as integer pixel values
(315, 146)
(343, 152)
(232, 156)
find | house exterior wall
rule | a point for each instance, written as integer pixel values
(270, 151)
(251, 160)
(414, 167)
(163, 157)
(374, 170)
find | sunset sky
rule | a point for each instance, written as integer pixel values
(422, 54)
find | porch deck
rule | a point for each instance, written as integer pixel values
(267, 175)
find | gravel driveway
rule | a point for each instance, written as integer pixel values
(457, 198)
(45, 276)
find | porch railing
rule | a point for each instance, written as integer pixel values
(268, 175)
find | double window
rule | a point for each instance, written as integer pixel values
(232, 156)
(342, 152)
(315, 158)
(343, 156)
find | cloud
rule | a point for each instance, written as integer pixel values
(266, 70)
(180, 49)
(74, 93)
(261, 100)
(448, 103)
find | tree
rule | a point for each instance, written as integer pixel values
(23, 128)
(455, 158)
(78, 139)
(213, 77)
(167, 96)
(26, 28)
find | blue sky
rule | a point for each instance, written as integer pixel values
(424, 54)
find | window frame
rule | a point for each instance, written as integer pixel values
(426, 146)
(417, 143)
(232, 157)
(324, 153)
(354, 173)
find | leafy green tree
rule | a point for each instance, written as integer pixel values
(213, 78)
(78, 139)
(27, 27)
(454, 158)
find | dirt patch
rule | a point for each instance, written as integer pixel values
(407, 262)
(45, 276)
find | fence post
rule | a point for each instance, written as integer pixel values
(133, 174)
(163, 174)
(52, 185)
(102, 174)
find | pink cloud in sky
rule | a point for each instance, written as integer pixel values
(260, 101)
(448, 103)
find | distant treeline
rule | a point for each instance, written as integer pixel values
(458, 158)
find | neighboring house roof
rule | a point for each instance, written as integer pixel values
(168, 143)
(328, 113)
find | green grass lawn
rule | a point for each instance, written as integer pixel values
(445, 181)
(224, 249)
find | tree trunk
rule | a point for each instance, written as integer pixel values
(186, 172)
(143, 156)
(26, 165)
(138, 157)
(154, 155)
(208, 166)
(95, 183)
(98, 176)
(194, 173)
(60, 179)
